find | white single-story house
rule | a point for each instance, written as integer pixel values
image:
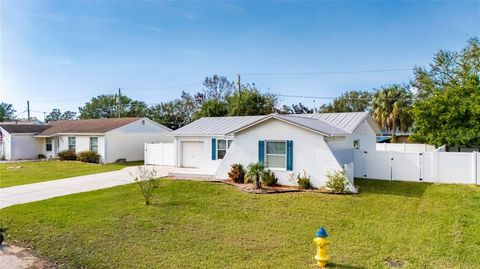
(112, 139)
(287, 144)
(17, 140)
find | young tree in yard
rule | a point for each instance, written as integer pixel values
(249, 101)
(350, 101)
(447, 110)
(391, 108)
(147, 180)
(255, 172)
(6, 112)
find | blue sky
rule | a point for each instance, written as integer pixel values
(60, 54)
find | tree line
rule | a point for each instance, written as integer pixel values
(441, 105)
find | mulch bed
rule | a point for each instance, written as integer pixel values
(275, 189)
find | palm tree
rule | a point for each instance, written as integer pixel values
(391, 108)
(255, 172)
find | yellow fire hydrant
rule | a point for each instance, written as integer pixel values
(322, 243)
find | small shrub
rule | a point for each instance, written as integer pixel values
(88, 156)
(3, 231)
(237, 173)
(269, 178)
(337, 181)
(303, 181)
(67, 155)
(147, 181)
(41, 156)
(254, 174)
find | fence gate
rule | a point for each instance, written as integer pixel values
(403, 166)
(159, 154)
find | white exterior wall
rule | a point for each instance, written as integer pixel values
(310, 152)
(6, 145)
(82, 143)
(342, 147)
(129, 141)
(24, 147)
(206, 162)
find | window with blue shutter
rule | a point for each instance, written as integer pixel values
(261, 152)
(214, 149)
(289, 155)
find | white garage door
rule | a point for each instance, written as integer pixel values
(191, 153)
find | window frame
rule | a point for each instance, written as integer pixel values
(90, 144)
(74, 145)
(48, 144)
(228, 143)
(284, 168)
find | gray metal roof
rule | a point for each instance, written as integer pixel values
(215, 125)
(347, 121)
(318, 125)
(325, 123)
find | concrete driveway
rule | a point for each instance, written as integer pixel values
(44, 190)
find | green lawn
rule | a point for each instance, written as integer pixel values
(32, 172)
(211, 225)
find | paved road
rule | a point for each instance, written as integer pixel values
(44, 190)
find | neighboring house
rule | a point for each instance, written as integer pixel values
(286, 144)
(17, 140)
(113, 139)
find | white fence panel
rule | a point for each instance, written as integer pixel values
(405, 166)
(455, 167)
(159, 154)
(377, 165)
(436, 166)
(404, 147)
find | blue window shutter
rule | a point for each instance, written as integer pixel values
(214, 148)
(261, 152)
(289, 155)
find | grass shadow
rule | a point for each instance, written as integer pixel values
(400, 188)
(344, 266)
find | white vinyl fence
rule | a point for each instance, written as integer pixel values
(404, 147)
(159, 154)
(436, 166)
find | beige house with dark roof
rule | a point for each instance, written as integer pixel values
(113, 139)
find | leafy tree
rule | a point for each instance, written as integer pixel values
(212, 108)
(217, 87)
(350, 101)
(391, 108)
(448, 117)
(249, 101)
(449, 69)
(447, 110)
(7, 112)
(56, 115)
(176, 113)
(105, 106)
(296, 109)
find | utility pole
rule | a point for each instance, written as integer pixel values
(28, 110)
(44, 116)
(119, 103)
(239, 84)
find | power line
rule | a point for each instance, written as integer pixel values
(329, 72)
